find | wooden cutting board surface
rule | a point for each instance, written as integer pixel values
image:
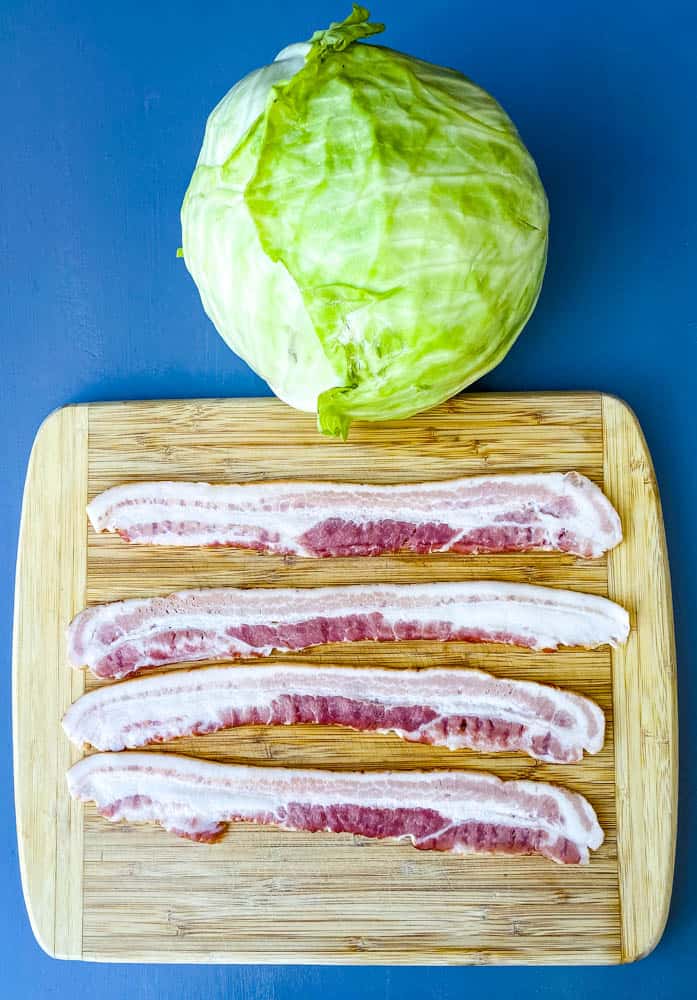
(107, 892)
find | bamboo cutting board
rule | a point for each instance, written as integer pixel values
(107, 892)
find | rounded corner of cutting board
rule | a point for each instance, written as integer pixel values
(41, 924)
(644, 686)
(49, 588)
(619, 418)
(67, 414)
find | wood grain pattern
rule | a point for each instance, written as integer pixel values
(267, 896)
(50, 587)
(645, 690)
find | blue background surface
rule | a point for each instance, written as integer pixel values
(102, 108)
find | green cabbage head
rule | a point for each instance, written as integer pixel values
(365, 229)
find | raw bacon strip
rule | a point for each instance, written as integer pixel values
(115, 640)
(456, 811)
(514, 513)
(453, 708)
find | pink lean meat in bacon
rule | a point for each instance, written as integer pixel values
(500, 513)
(456, 811)
(453, 708)
(117, 639)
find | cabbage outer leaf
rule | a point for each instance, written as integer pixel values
(406, 217)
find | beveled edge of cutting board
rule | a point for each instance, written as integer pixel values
(51, 570)
(644, 686)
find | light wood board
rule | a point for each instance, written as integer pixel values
(107, 892)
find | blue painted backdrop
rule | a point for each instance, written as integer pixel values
(102, 108)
